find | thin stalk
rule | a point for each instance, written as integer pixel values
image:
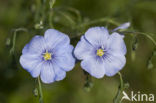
(149, 37)
(76, 12)
(51, 4)
(121, 80)
(120, 90)
(40, 91)
(38, 5)
(50, 18)
(145, 34)
(43, 11)
(12, 50)
(67, 17)
(100, 20)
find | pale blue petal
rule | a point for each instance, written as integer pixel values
(37, 69)
(83, 49)
(29, 61)
(97, 35)
(60, 50)
(70, 49)
(25, 49)
(122, 26)
(116, 43)
(60, 74)
(66, 61)
(114, 63)
(94, 67)
(55, 38)
(47, 73)
(36, 45)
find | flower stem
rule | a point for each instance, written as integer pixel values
(100, 20)
(51, 3)
(88, 82)
(40, 91)
(12, 50)
(121, 88)
(145, 34)
(76, 12)
(50, 19)
(121, 80)
(149, 37)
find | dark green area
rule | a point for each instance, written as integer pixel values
(16, 84)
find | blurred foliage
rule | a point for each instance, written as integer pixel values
(73, 17)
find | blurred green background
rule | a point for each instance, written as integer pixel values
(16, 84)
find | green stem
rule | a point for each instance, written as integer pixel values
(38, 5)
(40, 91)
(121, 80)
(50, 18)
(51, 3)
(12, 50)
(88, 82)
(43, 11)
(145, 34)
(149, 37)
(76, 12)
(100, 20)
(120, 90)
(13, 42)
(67, 17)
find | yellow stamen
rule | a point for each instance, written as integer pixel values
(47, 56)
(100, 52)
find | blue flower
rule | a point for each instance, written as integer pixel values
(48, 57)
(101, 53)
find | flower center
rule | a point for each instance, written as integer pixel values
(47, 56)
(100, 52)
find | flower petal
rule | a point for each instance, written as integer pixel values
(60, 74)
(94, 67)
(29, 61)
(60, 50)
(83, 49)
(66, 61)
(114, 63)
(25, 49)
(122, 26)
(36, 45)
(54, 38)
(97, 35)
(116, 43)
(37, 70)
(47, 73)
